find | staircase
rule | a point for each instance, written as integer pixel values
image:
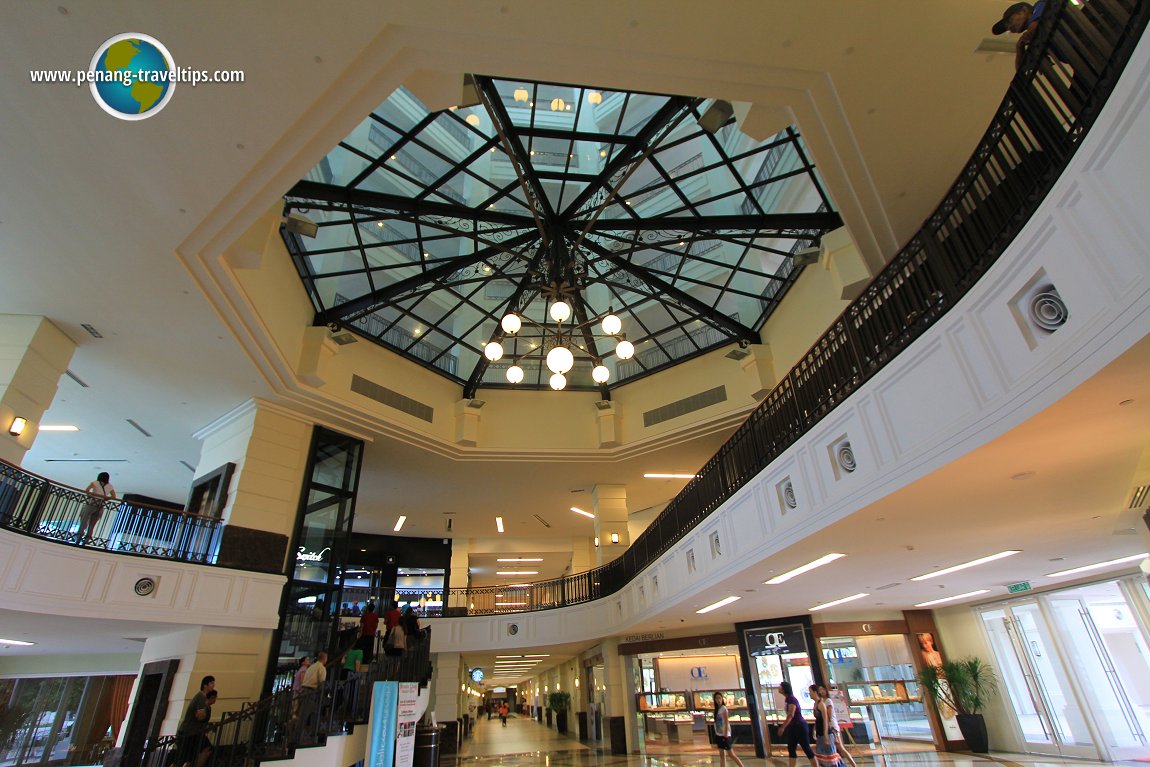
(280, 726)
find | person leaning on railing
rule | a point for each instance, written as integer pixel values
(100, 492)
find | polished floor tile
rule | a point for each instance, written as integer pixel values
(526, 743)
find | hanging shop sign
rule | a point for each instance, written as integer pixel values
(311, 556)
(776, 640)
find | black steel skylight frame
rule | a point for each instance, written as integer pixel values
(433, 225)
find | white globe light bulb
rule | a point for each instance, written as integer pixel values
(514, 374)
(493, 351)
(560, 311)
(558, 382)
(600, 374)
(625, 350)
(511, 323)
(560, 359)
(612, 324)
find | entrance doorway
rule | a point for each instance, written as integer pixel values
(1075, 665)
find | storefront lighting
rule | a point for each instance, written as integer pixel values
(1098, 565)
(952, 599)
(842, 601)
(964, 565)
(717, 605)
(823, 560)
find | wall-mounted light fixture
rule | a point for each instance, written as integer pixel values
(614, 537)
(16, 428)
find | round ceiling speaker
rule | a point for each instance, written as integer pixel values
(1048, 310)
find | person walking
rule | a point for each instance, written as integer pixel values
(504, 710)
(297, 680)
(99, 493)
(834, 727)
(191, 727)
(723, 737)
(310, 692)
(368, 628)
(794, 727)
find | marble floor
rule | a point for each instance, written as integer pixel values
(526, 743)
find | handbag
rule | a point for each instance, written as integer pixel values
(396, 639)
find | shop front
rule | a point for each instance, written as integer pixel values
(675, 681)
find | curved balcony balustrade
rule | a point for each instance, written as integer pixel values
(35, 506)
(1068, 73)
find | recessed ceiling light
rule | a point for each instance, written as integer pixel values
(59, 427)
(521, 559)
(717, 605)
(669, 476)
(823, 560)
(844, 600)
(952, 599)
(964, 565)
(584, 513)
(1098, 565)
(17, 642)
(399, 523)
(499, 524)
(517, 572)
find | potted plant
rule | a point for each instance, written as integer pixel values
(559, 702)
(962, 686)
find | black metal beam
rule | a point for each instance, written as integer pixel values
(666, 289)
(665, 115)
(349, 309)
(564, 135)
(314, 190)
(771, 224)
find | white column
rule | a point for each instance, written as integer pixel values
(448, 695)
(34, 353)
(460, 573)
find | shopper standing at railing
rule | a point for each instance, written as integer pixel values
(368, 628)
(100, 492)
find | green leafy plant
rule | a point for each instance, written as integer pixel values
(559, 701)
(964, 685)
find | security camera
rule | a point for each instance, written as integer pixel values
(333, 327)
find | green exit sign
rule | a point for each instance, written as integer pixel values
(1014, 588)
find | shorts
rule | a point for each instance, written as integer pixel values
(723, 742)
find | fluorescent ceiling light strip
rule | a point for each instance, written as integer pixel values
(399, 523)
(964, 565)
(669, 476)
(951, 599)
(844, 600)
(1098, 565)
(499, 524)
(717, 605)
(517, 572)
(823, 560)
(521, 559)
(58, 427)
(536, 656)
(512, 604)
(517, 586)
(17, 642)
(584, 513)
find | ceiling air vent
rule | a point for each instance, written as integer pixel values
(542, 521)
(392, 399)
(686, 405)
(888, 586)
(189, 467)
(137, 427)
(1138, 500)
(91, 330)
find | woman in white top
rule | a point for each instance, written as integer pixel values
(833, 725)
(100, 492)
(723, 732)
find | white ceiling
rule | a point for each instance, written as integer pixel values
(92, 211)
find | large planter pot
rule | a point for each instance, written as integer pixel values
(973, 728)
(561, 722)
(548, 717)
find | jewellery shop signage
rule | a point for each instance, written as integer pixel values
(776, 640)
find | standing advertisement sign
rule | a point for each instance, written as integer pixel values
(842, 710)
(382, 725)
(406, 718)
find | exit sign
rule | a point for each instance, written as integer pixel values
(1014, 588)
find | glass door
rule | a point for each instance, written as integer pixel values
(1108, 650)
(1049, 716)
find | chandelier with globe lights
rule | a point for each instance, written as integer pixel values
(557, 345)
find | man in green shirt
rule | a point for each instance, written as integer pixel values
(193, 723)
